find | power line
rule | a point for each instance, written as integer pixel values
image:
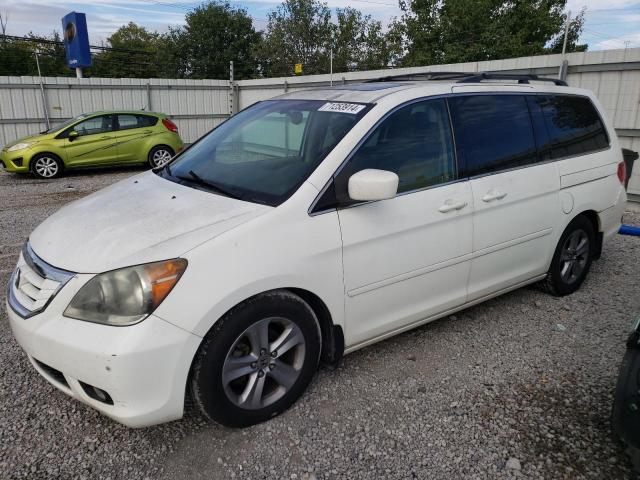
(48, 41)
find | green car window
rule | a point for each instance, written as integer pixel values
(129, 120)
(100, 124)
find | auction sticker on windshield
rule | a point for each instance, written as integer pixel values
(352, 108)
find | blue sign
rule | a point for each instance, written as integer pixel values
(76, 40)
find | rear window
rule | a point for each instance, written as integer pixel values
(573, 126)
(127, 121)
(493, 132)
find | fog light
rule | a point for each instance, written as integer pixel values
(17, 161)
(97, 393)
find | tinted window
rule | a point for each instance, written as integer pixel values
(414, 142)
(94, 125)
(127, 121)
(573, 126)
(493, 132)
(265, 152)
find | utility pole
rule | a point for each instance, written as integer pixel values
(564, 65)
(3, 24)
(231, 92)
(566, 33)
(44, 97)
(331, 67)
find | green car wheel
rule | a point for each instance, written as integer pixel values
(160, 155)
(46, 165)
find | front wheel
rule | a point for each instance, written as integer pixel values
(46, 165)
(159, 156)
(572, 258)
(257, 360)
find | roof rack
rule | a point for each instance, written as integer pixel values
(520, 77)
(422, 76)
(470, 77)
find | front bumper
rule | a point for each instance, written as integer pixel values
(15, 161)
(143, 368)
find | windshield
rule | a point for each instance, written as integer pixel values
(264, 153)
(63, 125)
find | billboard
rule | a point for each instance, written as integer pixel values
(76, 40)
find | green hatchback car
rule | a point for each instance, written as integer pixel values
(95, 139)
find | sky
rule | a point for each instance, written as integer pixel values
(609, 24)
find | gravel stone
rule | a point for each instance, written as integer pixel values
(522, 391)
(513, 464)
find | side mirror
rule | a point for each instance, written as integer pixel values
(73, 135)
(371, 184)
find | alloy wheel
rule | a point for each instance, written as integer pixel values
(46, 167)
(161, 157)
(264, 363)
(574, 256)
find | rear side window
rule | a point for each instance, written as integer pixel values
(128, 121)
(572, 124)
(493, 132)
(414, 142)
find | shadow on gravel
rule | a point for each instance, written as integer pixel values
(563, 427)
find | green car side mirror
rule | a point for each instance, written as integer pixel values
(73, 135)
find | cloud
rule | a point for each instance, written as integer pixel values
(605, 5)
(633, 40)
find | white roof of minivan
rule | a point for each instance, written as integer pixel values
(372, 92)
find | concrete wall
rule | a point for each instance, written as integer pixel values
(199, 105)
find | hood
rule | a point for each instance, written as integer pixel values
(142, 219)
(28, 139)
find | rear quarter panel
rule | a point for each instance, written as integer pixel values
(590, 182)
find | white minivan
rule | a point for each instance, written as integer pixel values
(308, 226)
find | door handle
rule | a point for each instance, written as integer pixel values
(450, 205)
(106, 137)
(492, 195)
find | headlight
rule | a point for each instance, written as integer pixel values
(126, 296)
(18, 146)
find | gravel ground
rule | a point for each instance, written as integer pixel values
(497, 391)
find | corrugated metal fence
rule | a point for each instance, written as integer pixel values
(196, 105)
(199, 105)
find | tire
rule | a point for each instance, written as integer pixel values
(46, 166)
(238, 379)
(159, 156)
(572, 258)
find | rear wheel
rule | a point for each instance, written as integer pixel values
(46, 165)
(257, 360)
(572, 258)
(159, 156)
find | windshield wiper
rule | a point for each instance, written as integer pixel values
(197, 179)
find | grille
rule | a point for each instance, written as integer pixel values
(34, 283)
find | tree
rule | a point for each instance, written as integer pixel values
(358, 42)
(132, 52)
(298, 31)
(18, 55)
(573, 35)
(455, 31)
(215, 33)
